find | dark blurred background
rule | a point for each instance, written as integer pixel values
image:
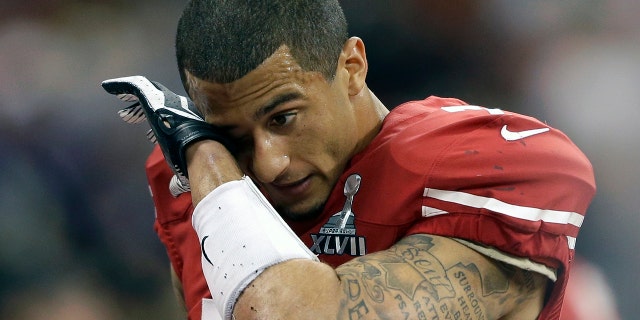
(76, 227)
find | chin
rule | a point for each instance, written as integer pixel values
(301, 214)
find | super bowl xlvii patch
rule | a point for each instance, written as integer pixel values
(338, 236)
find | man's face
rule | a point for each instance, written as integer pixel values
(296, 131)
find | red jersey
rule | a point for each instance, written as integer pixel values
(438, 166)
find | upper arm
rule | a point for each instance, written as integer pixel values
(431, 277)
(420, 277)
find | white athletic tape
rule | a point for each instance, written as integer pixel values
(241, 235)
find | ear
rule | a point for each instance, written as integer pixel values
(354, 60)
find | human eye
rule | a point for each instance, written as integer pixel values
(282, 119)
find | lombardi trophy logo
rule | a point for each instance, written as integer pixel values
(338, 235)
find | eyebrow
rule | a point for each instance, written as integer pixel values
(275, 103)
(278, 100)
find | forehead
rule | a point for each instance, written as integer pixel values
(277, 75)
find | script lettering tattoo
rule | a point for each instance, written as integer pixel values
(403, 306)
(353, 289)
(411, 280)
(423, 271)
(468, 302)
(432, 313)
(358, 311)
(418, 309)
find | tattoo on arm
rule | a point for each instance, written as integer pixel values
(411, 281)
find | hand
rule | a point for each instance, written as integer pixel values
(175, 122)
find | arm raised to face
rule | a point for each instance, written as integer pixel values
(420, 277)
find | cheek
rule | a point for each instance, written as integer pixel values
(325, 137)
(324, 146)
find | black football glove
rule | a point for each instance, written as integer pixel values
(175, 121)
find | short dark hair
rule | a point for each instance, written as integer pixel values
(223, 40)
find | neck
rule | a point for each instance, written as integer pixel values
(372, 115)
(380, 109)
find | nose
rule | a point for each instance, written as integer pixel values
(269, 160)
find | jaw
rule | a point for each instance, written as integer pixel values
(300, 216)
(301, 208)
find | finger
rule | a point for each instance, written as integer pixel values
(151, 136)
(128, 97)
(133, 113)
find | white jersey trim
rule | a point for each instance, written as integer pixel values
(520, 262)
(495, 205)
(572, 242)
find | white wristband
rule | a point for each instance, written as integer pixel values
(241, 235)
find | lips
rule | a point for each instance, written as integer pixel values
(289, 191)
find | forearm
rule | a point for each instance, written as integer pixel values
(295, 289)
(210, 165)
(240, 233)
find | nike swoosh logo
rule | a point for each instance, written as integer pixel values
(204, 253)
(517, 135)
